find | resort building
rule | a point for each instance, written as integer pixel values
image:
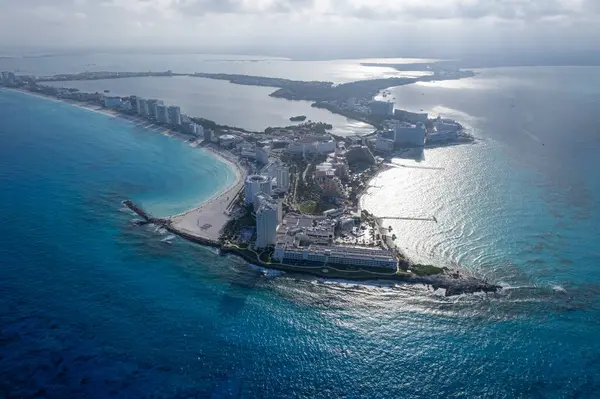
(194, 128)
(174, 115)
(262, 154)
(152, 112)
(255, 184)
(411, 117)
(308, 239)
(283, 178)
(210, 136)
(337, 255)
(141, 106)
(409, 135)
(311, 145)
(227, 140)
(246, 150)
(446, 125)
(162, 114)
(383, 144)
(335, 165)
(112, 102)
(383, 108)
(266, 224)
(261, 198)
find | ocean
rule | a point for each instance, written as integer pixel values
(337, 71)
(94, 306)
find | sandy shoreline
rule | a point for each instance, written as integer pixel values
(206, 220)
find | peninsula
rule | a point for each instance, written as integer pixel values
(340, 99)
(294, 205)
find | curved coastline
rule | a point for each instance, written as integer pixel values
(206, 221)
(212, 210)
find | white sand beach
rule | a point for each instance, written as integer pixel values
(205, 221)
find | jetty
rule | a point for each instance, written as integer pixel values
(424, 219)
(167, 223)
(395, 165)
(148, 218)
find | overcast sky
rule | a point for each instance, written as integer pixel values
(353, 27)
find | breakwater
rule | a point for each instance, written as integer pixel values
(166, 223)
(452, 282)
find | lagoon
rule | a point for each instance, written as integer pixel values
(248, 107)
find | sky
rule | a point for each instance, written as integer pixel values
(303, 28)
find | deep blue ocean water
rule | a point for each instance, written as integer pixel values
(93, 306)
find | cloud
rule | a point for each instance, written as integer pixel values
(466, 9)
(412, 26)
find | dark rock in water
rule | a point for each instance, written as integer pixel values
(299, 118)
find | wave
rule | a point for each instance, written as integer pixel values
(124, 209)
(168, 239)
(269, 273)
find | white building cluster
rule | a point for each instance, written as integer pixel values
(444, 130)
(156, 110)
(8, 78)
(311, 145)
(329, 174)
(411, 117)
(254, 185)
(268, 217)
(382, 108)
(259, 192)
(400, 135)
(309, 240)
(280, 175)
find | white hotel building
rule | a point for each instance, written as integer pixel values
(312, 145)
(268, 217)
(309, 239)
(355, 256)
(255, 184)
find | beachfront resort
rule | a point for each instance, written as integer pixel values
(295, 198)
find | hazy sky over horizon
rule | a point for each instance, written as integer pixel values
(411, 27)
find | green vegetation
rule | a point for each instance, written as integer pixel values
(208, 124)
(308, 207)
(234, 226)
(316, 127)
(426, 270)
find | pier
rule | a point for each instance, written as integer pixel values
(168, 224)
(423, 219)
(414, 166)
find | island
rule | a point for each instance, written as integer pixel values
(300, 118)
(295, 203)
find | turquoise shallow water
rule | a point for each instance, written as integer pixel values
(93, 306)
